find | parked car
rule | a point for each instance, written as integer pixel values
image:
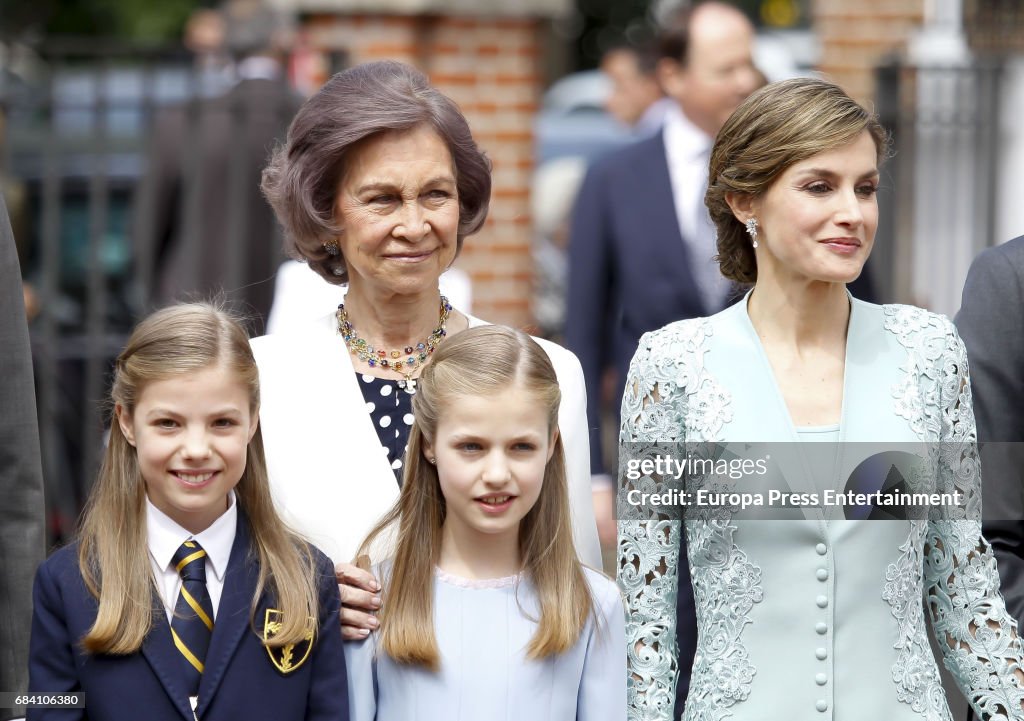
(573, 121)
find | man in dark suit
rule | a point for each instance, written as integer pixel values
(992, 327)
(634, 263)
(641, 242)
(21, 475)
(202, 225)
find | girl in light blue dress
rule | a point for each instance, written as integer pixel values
(487, 612)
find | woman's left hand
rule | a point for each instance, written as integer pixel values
(359, 601)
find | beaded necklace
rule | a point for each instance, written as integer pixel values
(406, 361)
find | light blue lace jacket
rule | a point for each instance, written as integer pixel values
(817, 616)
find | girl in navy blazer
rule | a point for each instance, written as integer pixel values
(185, 597)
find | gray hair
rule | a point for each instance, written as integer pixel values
(301, 181)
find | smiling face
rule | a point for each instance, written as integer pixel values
(191, 432)
(491, 452)
(818, 219)
(398, 208)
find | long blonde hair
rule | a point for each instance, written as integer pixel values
(172, 342)
(476, 362)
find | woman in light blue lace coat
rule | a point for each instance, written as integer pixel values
(818, 616)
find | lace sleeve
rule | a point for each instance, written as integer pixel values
(978, 638)
(648, 546)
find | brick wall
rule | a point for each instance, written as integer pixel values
(856, 35)
(995, 26)
(491, 68)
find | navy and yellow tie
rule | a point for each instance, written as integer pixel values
(192, 624)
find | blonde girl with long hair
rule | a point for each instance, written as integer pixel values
(487, 612)
(185, 595)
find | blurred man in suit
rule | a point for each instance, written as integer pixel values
(636, 99)
(202, 225)
(21, 476)
(641, 242)
(992, 327)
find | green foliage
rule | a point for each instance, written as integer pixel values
(600, 24)
(145, 21)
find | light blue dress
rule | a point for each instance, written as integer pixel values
(818, 616)
(482, 630)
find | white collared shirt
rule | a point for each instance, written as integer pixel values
(165, 537)
(688, 149)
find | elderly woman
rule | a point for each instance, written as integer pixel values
(377, 187)
(818, 615)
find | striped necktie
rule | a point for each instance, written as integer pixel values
(192, 624)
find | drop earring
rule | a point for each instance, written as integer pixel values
(752, 230)
(333, 250)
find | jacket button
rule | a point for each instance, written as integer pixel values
(821, 549)
(822, 574)
(822, 705)
(820, 653)
(822, 601)
(821, 679)
(821, 628)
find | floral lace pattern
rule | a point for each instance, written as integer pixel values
(671, 397)
(725, 593)
(915, 674)
(669, 392)
(947, 557)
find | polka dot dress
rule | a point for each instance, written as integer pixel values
(390, 408)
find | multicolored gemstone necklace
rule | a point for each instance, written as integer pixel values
(406, 361)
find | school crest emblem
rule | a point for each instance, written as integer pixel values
(289, 657)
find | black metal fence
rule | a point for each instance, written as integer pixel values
(99, 227)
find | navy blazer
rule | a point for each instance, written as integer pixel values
(240, 680)
(630, 273)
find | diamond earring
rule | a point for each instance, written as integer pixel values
(331, 247)
(752, 230)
